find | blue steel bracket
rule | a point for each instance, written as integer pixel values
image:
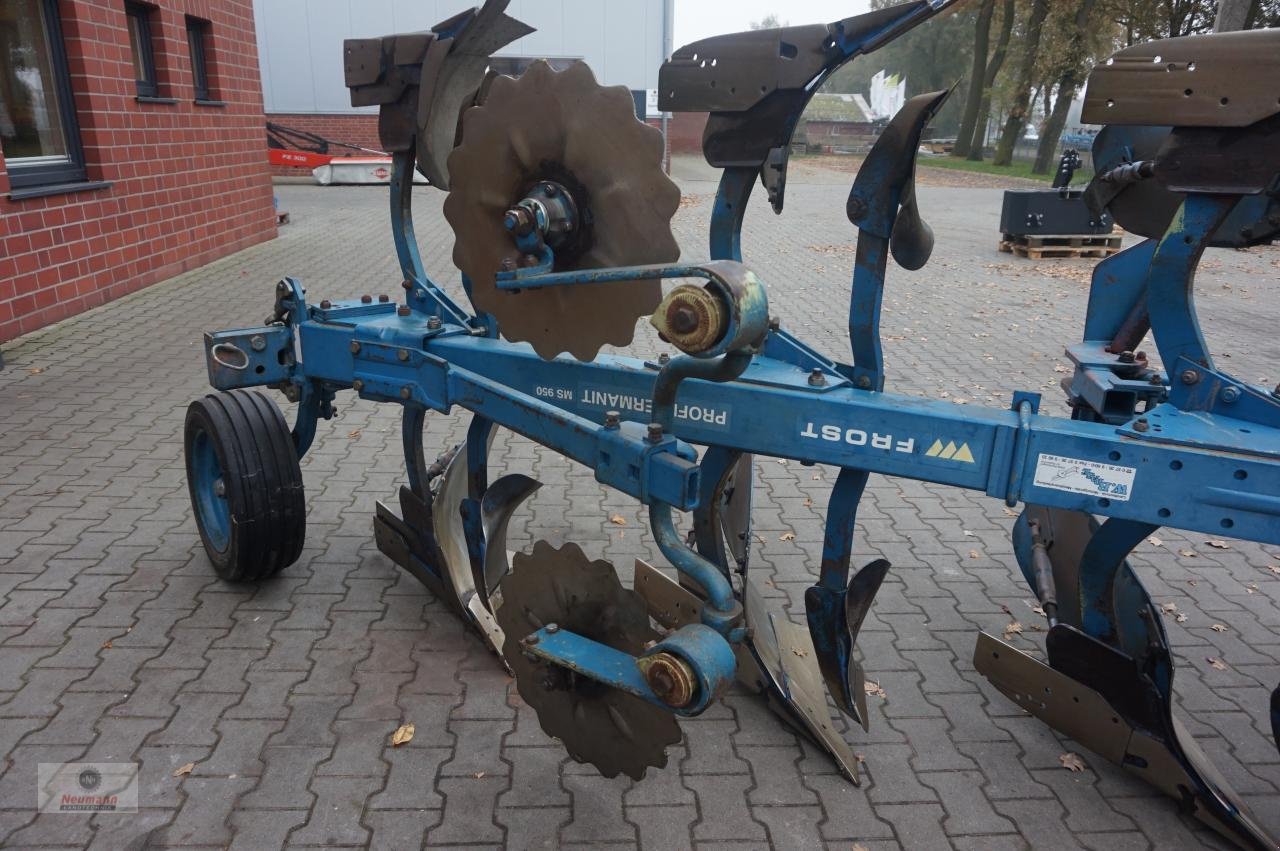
(250, 357)
(709, 655)
(1113, 385)
(1200, 388)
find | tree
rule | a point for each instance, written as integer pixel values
(1071, 60)
(1018, 110)
(978, 144)
(981, 46)
(768, 22)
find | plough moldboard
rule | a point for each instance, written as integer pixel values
(562, 212)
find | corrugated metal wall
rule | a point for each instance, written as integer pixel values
(300, 41)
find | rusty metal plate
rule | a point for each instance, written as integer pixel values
(562, 126)
(1219, 80)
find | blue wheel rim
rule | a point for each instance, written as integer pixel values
(212, 508)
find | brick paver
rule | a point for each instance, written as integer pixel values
(117, 643)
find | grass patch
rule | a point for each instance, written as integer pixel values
(1017, 169)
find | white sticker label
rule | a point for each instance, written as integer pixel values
(1088, 477)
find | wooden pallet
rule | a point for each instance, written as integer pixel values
(1061, 246)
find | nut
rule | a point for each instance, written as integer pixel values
(402, 355)
(816, 378)
(357, 385)
(655, 432)
(864, 382)
(1190, 376)
(258, 343)
(664, 359)
(552, 628)
(355, 347)
(384, 298)
(406, 392)
(612, 419)
(326, 304)
(1141, 425)
(433, 323)
(403, 310)
(670, 677)
(366, 299)
(1230, 395)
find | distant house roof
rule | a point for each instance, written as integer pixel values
(834, 107)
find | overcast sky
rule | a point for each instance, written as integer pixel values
(697, 19)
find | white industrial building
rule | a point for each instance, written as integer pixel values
(300, 41)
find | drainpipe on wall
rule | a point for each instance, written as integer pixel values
(668, 25)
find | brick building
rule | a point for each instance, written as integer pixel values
(131, 148)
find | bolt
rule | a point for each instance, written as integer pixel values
(407, 284)
(655, 432)
(816, 378)
(1127, 357)
(1230, 395)
(774, 323)
(366, 299)
(552, 628)
(664, 359)
(403, 310)
(1190, 376)
(671, 678)
(1141, 356)
(258, 343)
(1141, 425)
(355, 347)
(357, 385)
(384, 298)
(864, 382)
(433, 323)
(683, 320)
(326, 304)
(1156, 379)
(612, 419)
(406, 392)
(529, 639)
(403, 355)
(550, 190)
(219, 488)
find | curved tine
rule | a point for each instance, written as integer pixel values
(452, 537)
(719, 467)
(912, 241)
(496, 508)
(415, 459)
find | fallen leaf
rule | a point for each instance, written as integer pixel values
(969, 534)
(1217, 627)
(1219, 545)
(1169, 608)
(1011, 629)
(858, 846)
(1275, 568)
(1193, 582)
(1009, 512)
(354, 434)
(182, 770)
(1155, 542)
(1072, 762)
(974, 554)
(808, 503)
(1181, 618)
(1216, 664)
(800, 652)
(402, 736)
(787, 536)
(35, 370)
(106, 645)
(860, 758)
(1251, 588)
(1188, 553)
(618, 520)
(782, 461)
(873, 689)
(478, 775)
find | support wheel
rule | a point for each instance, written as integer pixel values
(245, 484)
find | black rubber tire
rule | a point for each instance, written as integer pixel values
(262, 479)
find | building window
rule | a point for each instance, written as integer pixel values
(38, 129)
(144, 58)
(198, 42)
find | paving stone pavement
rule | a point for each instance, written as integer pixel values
(117, 643)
